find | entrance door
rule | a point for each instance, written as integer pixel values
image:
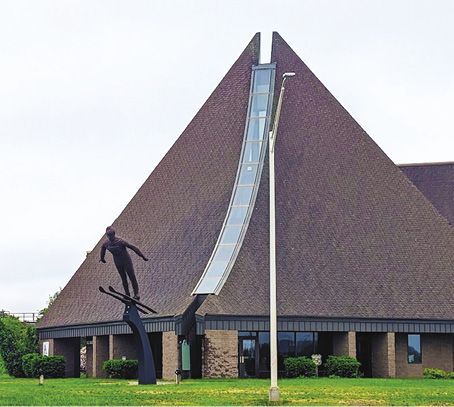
(247, 357)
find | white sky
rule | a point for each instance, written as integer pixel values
(93, 93)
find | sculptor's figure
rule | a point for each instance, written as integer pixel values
(122, 260)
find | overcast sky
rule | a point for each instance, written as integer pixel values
(93, 94)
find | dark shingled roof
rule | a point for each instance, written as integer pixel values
(176, 215)
(355, 237)
(436, 182)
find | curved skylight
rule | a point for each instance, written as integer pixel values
(246, 183)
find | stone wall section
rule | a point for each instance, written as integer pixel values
(220, 354)
(169, 355)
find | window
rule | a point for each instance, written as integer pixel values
(305, 344)
(262, 81)
(237, 215)
(256, 130)
(289, 343)
(217, 268)
(414, 349)
(231, 234)
(246, 183)
(243, 196)
(285, 346)
(247, 174)
(259, 105)
(252, 152)
(264, 351)
(209, 283)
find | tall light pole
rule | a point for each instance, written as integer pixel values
(274, 389)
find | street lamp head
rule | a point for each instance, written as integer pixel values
(288, 75)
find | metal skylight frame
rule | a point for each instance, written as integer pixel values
(263, 140)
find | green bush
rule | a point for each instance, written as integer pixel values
(299, 366)
(30, 364)
(16, 340)
(35, 364)
(121, 369)
(430, 373)
(342, 366)
(2, 367)
(53, 366)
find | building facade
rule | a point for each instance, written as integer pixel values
(365, 260)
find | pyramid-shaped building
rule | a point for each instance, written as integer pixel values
(365, 262)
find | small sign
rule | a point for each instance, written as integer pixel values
(185, 356)
(46, 348)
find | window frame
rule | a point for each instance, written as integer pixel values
(408, 349)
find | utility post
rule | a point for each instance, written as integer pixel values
(274, 395)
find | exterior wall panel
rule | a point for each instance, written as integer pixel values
(220, 354)
(436, 349)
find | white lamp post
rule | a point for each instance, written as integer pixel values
(274, 389)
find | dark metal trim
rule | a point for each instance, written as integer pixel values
(254, 323)
(293, 323)
(163, 324)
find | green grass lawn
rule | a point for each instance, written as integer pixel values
(323, 391)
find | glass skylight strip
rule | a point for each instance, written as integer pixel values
(246, 183)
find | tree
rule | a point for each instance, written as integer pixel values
(16, 340)
(50, 301)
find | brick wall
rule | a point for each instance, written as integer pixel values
(100, 353)
(123, 346)
(344, 343)
(69, 348)
(89, 360)
(169, 355)
(383, 354)
(220, 354)
(437, 352)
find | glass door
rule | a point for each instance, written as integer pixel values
(247, 357)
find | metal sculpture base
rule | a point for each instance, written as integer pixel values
(147, 372)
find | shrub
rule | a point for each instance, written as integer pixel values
(299, 366)
(430, 373)
(35, 364)
(16, 340)
(30, 364)
(121, 369)
(342, 366)
(53, 366)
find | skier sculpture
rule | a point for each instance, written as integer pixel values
(118, 248)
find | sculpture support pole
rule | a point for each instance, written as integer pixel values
(147, 372)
